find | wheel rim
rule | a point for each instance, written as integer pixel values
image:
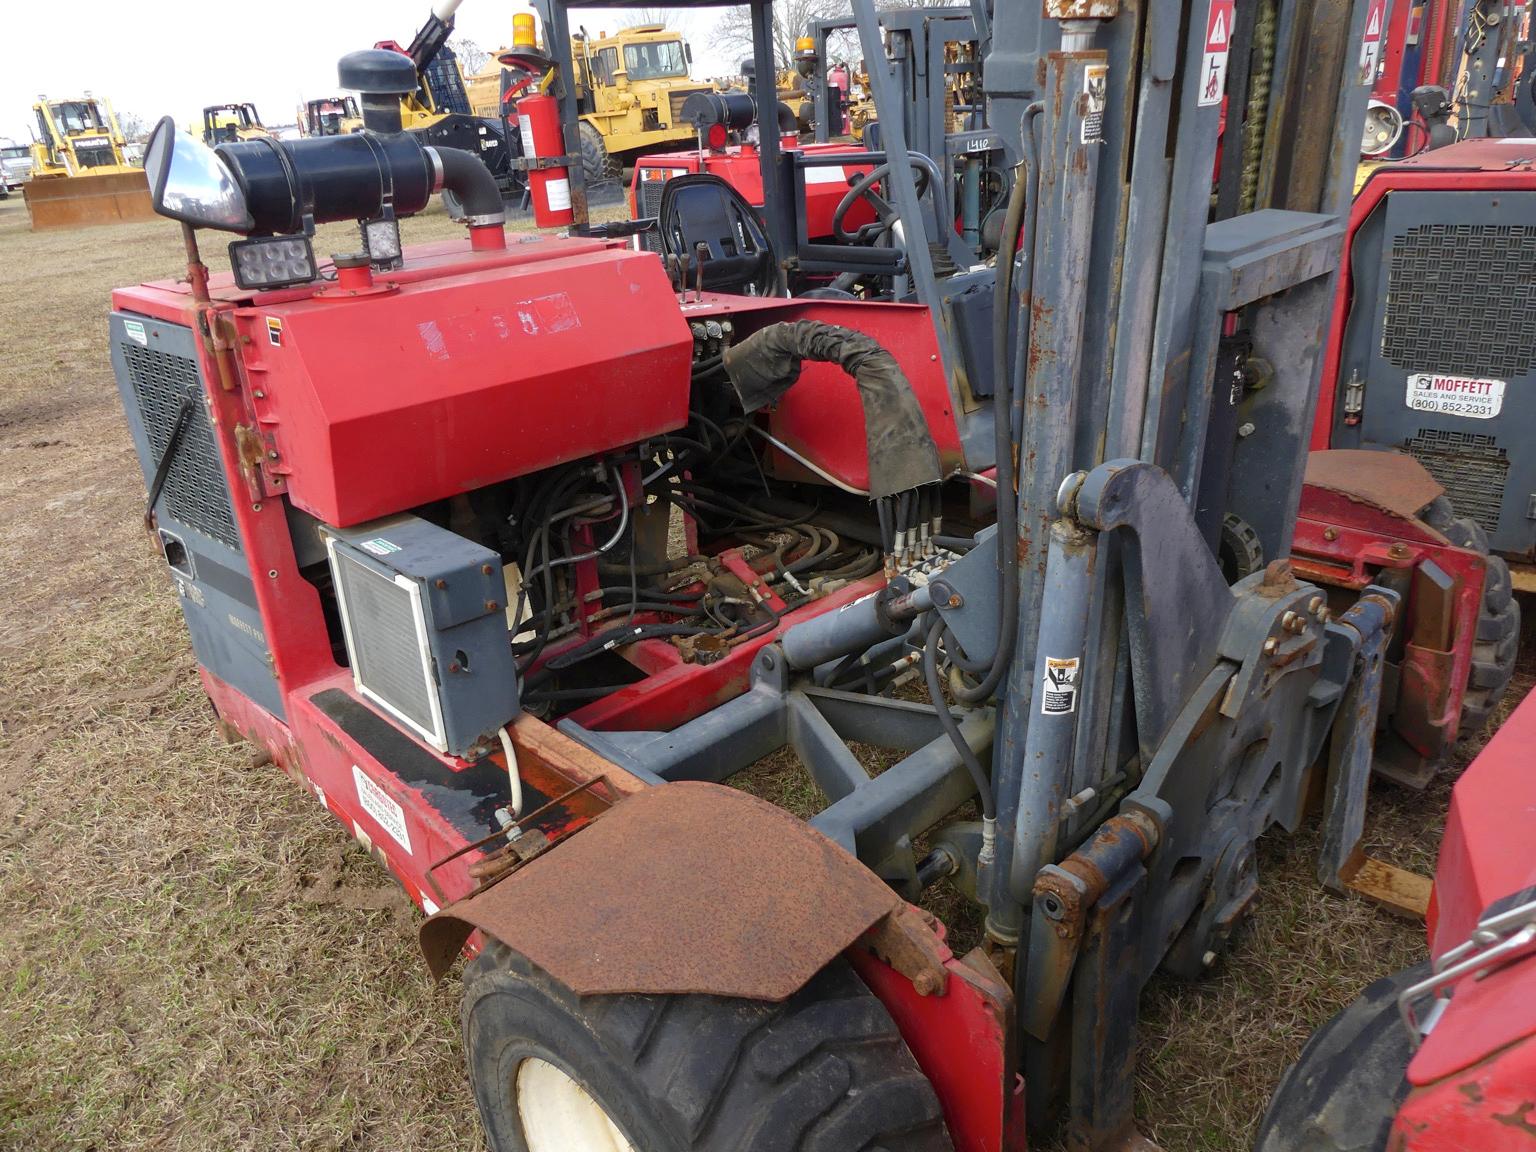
(558, 1115)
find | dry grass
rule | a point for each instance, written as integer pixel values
(193, 956)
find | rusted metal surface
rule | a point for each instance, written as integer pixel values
(905, 940)
(690, 888)
(511, 847)
(1063, 898)
(1082, 9)
(1392, 481)
(85, 201)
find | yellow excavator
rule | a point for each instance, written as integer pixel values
(80, 171)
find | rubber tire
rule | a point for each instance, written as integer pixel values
(597, 167)
(1497, 643)
(824, 1071)
(1345, 1088)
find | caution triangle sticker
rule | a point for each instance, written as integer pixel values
(1218, 36)
(1373, 25)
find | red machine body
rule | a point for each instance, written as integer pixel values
(1471, 165)
(487, 357)
(539, 119)
(1354, 526)
(309, 398)
(739, 167)
(1471, 1080)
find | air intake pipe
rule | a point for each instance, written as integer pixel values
(289, 184)
(472, 184)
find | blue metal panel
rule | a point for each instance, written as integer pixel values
(157, 367)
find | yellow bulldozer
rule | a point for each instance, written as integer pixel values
(227, 123)
(631, 85)
(330, 116)
(80, 170)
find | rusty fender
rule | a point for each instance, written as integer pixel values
(683, 888)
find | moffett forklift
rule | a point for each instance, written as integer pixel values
(1442, 1056)
(518, 555)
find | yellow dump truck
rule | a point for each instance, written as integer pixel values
(80, 172)
(631, 85)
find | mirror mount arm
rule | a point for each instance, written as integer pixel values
(197, 271)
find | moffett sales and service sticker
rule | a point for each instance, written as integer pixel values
(1470, 396)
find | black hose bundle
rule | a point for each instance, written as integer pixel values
(902, 454)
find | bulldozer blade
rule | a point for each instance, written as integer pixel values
(83, 201)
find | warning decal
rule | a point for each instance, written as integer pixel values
(382, 807)
(1370, 42)
(274, 332)
(1094, 81)
(1058, 692)
(1218, 42)
(1471, 396)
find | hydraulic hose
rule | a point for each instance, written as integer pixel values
(951, 728)
(1021, 200)
(899, 445)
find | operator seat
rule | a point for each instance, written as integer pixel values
(701, 215)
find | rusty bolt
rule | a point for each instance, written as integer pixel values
(1270, 645)
(439, 583)
(1288, 621)
(1324, 616)
(1330, 533)
(928, 982)
(1314, 604)
(955, 600)
(492, 605)
(1398, 551)
(487, 569)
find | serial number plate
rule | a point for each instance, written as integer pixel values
(1470, 396)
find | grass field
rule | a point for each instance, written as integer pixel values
(194, 956)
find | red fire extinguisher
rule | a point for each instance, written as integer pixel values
(538, 117)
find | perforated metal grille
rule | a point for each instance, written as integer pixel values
(1460, 299)
(195, 492)
(381, 627)
(1470, 466)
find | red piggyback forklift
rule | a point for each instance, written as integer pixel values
(520, 551)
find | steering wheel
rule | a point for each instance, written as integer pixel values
(886, 216)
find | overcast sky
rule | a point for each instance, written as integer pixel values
(153, 57)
